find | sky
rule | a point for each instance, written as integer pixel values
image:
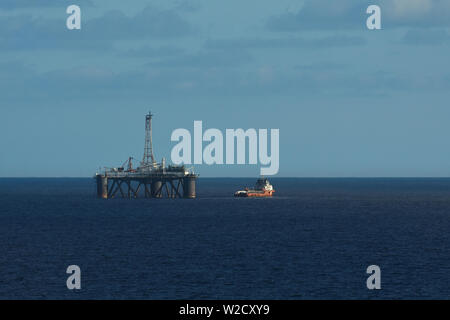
(348, 101)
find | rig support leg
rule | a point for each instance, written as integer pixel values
(102, 186)
(156, 189)
(189, 187)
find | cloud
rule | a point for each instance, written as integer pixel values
(204, 74)
(322, 15)
(21, 4)
(351, 14)
(401, 8)
(293, 42)
(417, 13)
(153, 52)
(209, 58)
(426, 37)
(25, 32)
(151, 22)
(186, 74)
(320, 66)
(170, 56)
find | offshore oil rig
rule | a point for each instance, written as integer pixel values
(150, 179)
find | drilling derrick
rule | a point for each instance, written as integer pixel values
(148, 159)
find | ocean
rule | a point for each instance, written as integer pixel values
(313, 240)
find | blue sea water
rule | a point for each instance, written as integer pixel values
(313, 240)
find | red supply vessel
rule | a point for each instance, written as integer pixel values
(262, 189)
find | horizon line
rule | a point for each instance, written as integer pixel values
(252, 177)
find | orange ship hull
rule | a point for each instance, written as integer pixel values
(260, 194)
(255, 193)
